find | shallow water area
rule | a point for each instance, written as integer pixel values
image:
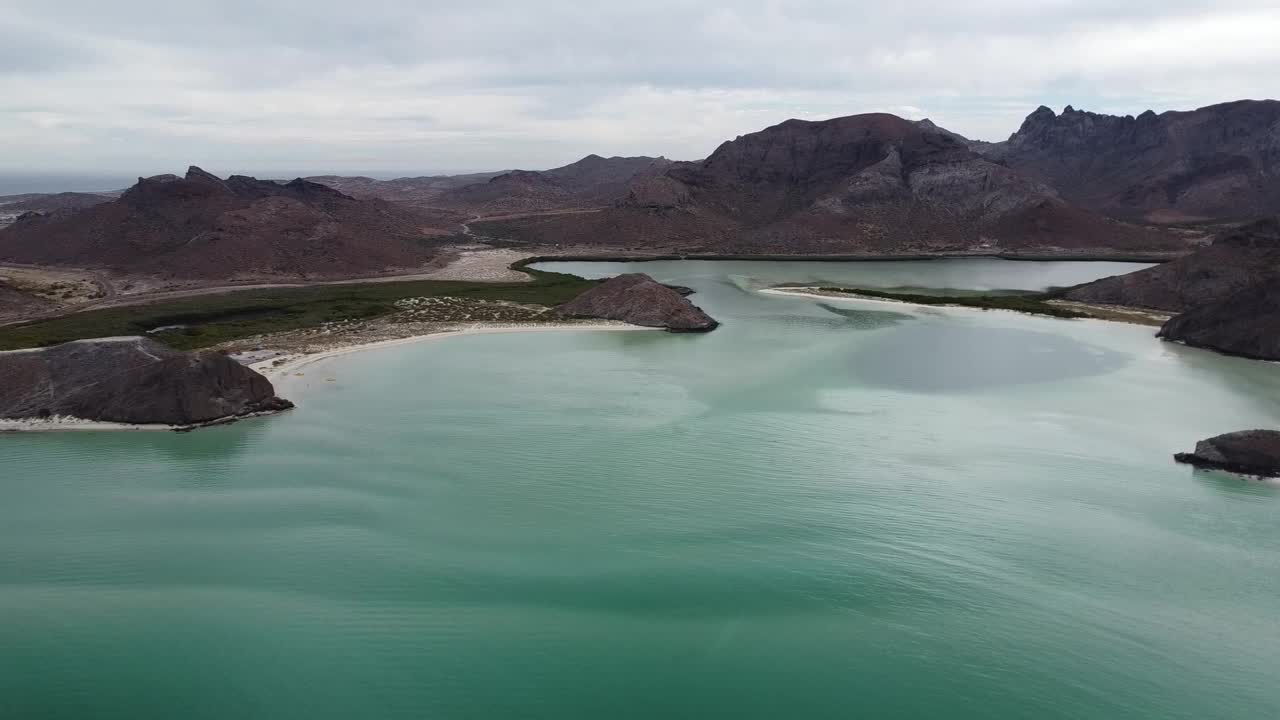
(822, 509)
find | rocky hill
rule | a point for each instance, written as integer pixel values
(201, 226)
(1217, 162)
(131, 380)
(638, 299)
(1237, 259)
(861, 184)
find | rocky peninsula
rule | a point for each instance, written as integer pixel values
(1248, 452)
(1227, 295)
(131, 380)
(638, 299)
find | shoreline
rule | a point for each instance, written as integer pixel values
(70, 423)
(1125, 316)
(1137, 257)
(286, 379)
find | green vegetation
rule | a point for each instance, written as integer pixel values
(213, 319)
(1035, 304)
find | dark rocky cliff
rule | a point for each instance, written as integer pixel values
(1246, 324)
(131, 380)
(1249, 452)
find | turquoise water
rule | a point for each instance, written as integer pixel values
(820, 510)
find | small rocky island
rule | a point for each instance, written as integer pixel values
(638, 299)
(1248, 452)
(131, 380)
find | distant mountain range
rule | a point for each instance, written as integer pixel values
(591, 181)
(1069, 184)
(861, 184)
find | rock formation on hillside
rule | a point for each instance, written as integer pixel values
(1248, 452)
(861, 184)
(638, 299)
(201, 226)
(1238, 259)
(1218, 162)
(131, 380)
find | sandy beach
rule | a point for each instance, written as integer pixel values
(285, 371)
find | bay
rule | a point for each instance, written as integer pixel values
(822, 509)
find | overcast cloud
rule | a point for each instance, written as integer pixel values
(387, 86)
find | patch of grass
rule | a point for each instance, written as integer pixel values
(1034, 304)
(213, 319)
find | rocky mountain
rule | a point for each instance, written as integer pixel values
(1217, 162)
(861, 184)
(201, 226)
(1249, 452)
(131, 380)
(1238, 259)
(638, 299)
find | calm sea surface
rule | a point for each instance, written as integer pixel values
(825, 510)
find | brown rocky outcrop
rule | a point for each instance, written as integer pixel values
(1248, 452)
(131, 380)
(638, 299)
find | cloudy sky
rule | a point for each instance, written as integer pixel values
(411, 86)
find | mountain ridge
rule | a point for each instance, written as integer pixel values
(1217, 162)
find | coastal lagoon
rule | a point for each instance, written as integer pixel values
(823, 509)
